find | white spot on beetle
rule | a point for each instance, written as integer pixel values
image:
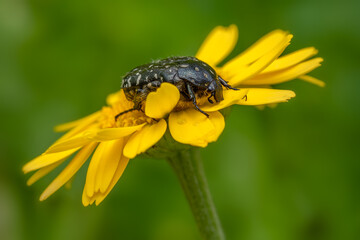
(205, 75)
(197, 69)
(138, 80)
(155, 75)
(184, 65)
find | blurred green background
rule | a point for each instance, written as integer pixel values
(292, 172)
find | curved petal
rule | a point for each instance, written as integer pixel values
(103, 166)
(194, 128)
(69, 171)
(77, 141)
(142, 140)
(119, 99)
(256, 51)
(92, 170)
(83, 122)
(291, 59)
(261, 96)
(218, 44)
(118, 173)
(231, 97)
(284, 75)
(47, 159)
(162, 101)
(312, 80)
(239, 74)
(107, 134)
(108, 164)
(43, 172)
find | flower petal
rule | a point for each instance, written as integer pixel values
(230, 97)
(240, 74)
(218, 44)
(312, 80)
(110, 158)
(43, 172)
(194, 128)
(162, 101)
(284, 75)
(92, 170)
(261, 96)
(291, 59)
(119, 171)
(107, 134)
(69, 170)
(83, 121)
(119, 98)
(142, 140)
(77, 141)
(257, 50)
(47, 159)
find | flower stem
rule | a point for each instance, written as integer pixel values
(189, 169)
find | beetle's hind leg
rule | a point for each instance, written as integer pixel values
(193, 99)
(225, 84)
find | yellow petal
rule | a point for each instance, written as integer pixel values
(75, 131)
(142, 140)
(242, 73)
(110, 158)
(218, 44)
(230, 97)
(43, 172)
(69, 170)
(261, 96)
(83, 121)
(163, 101)
(260, 48)
(77, 141)
(107, 134)
(312, 80)
(194, 128)
(119, 171)
(92, 170)
(119, 99)
(291, 59)
(47, 159)
(286, 74)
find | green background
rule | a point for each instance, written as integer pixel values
(292, 172)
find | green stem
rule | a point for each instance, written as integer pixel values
(189, 169)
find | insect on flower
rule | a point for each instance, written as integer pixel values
(177, 100)
(193, 77)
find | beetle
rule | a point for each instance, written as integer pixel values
(193, 77)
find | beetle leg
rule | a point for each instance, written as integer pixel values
(126, 111)
(193, 98)
(225, 84)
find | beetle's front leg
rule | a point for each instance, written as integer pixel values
(225, 84)
(193, 98)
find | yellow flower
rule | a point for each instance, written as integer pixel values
(113, 142)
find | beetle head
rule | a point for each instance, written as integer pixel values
(216, 90)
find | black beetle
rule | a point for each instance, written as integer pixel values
(193, 77)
